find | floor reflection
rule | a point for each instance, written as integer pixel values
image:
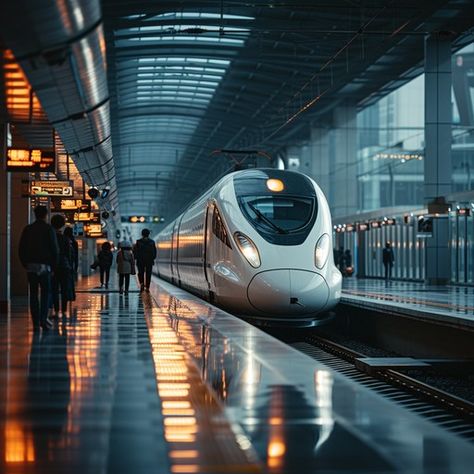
(49, 392)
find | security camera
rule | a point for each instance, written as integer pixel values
(93, 193)
(105, 192)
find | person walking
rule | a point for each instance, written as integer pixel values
(105, 259)
(348, 268)
(69, 234)
(388, 258)
(125, 266)
(39, 254)
(63, 279)
(145, 255)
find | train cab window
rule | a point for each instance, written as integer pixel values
(282, 215)
(218, 228)
(279, 214)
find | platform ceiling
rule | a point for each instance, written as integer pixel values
(187, 77)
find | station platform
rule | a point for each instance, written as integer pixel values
(450, 305)
(164, 382)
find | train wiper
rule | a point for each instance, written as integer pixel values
(268, 221)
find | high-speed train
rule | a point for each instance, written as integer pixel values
(258, 244)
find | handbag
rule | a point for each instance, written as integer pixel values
(95, 264)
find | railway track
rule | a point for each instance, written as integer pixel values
(450, 411)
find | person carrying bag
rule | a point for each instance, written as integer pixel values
(125, 266)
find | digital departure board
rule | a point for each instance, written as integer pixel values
(30, 160)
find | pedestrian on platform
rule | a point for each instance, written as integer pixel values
(125, 266)
(63, 278)
(69, 234)
(348, 268)
(341, 261)
(105, 259)
(388, 258)
(145, 255)
(39, 255)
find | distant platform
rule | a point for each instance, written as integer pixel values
(452, 305)
(164, 382)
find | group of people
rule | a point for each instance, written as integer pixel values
(50, 256)
(143, 253)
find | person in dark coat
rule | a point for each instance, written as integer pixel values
(63, 280)
(145, 254)
(68, 233)
(105, 259)
(388, 258)
(341, 259)
(39, 254)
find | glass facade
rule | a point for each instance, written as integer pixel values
(390, 137)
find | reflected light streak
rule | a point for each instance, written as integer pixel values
(19, 447)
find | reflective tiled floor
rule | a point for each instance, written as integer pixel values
(452, 301)
(85, 396)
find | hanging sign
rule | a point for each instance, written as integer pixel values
(51, 188)
(59, 204)
(93, 230)
(25, 160)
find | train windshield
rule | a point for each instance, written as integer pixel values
(281, 205)
(277, 213)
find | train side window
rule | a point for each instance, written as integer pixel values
(218, 228)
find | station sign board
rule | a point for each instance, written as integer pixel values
(362, 226)
(78, 229)
(79, 205)
(51, 188)
(25, 160)
(93, 230)
(375, 225)
(90, 217)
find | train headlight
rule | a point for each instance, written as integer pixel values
(248, 249)
(321, 252)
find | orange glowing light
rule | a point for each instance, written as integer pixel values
(275, 185)
(184, 454)
(185, 468)
(180, 421)
(176, 404)
(18, 444)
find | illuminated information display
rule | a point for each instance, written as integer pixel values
(51, 188)
(30, 160)
(93, 230)
(79, 205)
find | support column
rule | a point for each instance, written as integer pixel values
(320, 158)
(343, 175)
(20, 217)
(437, 163)
(4, 227)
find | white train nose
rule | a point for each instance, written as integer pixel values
(286, 292)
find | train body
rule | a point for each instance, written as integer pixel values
(258, 244)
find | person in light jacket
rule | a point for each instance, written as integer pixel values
(125, 265)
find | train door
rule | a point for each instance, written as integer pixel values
(207, 246)
(174, 253)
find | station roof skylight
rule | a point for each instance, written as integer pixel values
(179, 61)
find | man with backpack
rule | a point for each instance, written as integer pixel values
(145, 254)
